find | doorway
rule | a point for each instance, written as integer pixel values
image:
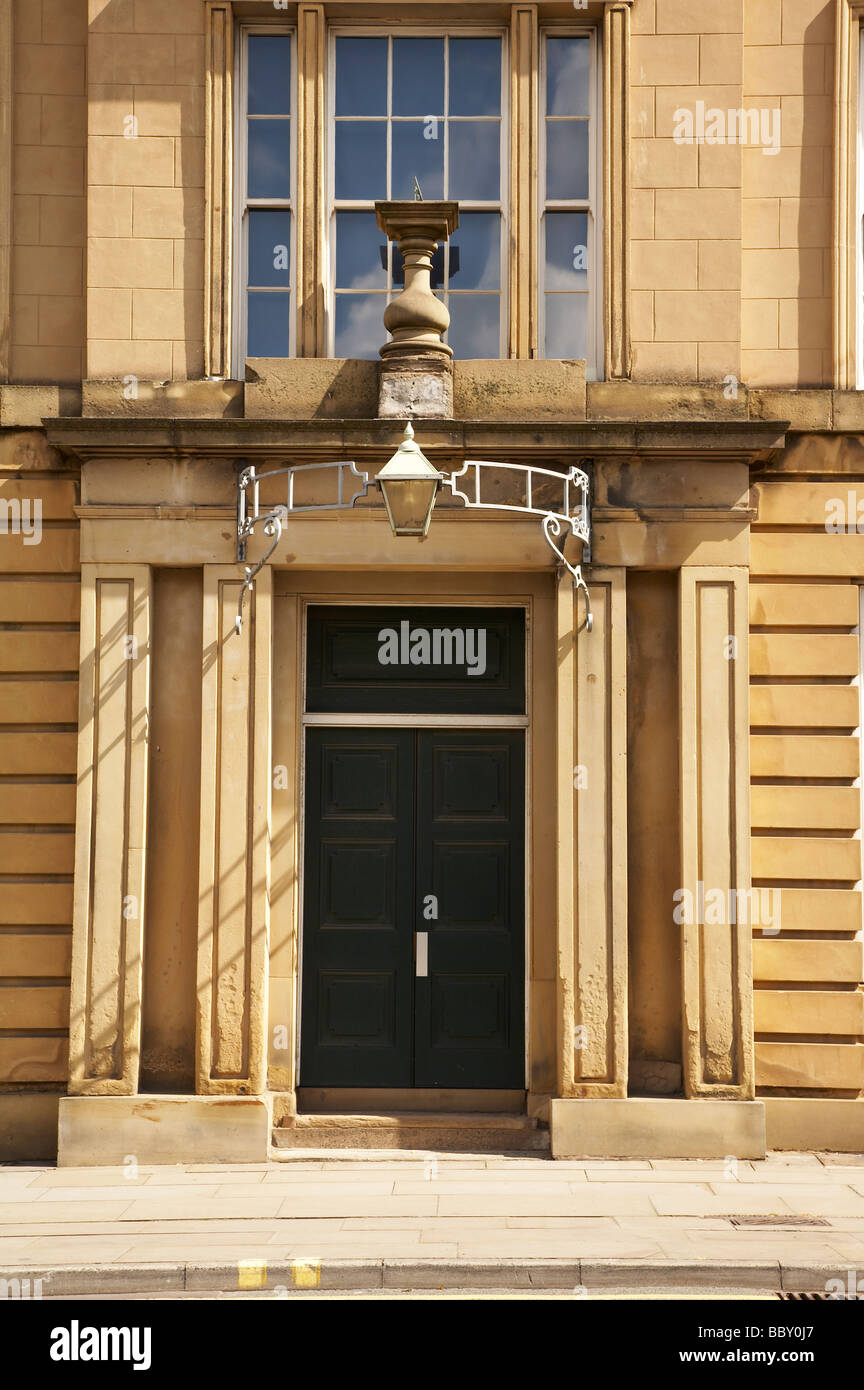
(414, 908)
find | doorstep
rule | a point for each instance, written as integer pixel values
(435, 1131)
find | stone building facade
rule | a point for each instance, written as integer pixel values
(258, 886)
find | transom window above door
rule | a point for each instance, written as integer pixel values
(417, 113)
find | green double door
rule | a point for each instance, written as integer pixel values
(414, 903)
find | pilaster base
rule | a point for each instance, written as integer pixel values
(28, 1127)
(105, 1130)
(817, 1122)
(644, 1127)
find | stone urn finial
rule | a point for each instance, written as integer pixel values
(416, 365)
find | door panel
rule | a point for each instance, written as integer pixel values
(357, 937)
(395, 818)
(470, 854)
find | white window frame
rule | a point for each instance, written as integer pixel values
(242, 203)
(592, 205)
(502, 206)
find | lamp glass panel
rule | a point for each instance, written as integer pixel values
(409, 504)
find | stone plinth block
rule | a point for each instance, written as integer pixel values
(817, 1122)
(97, 1130)
(203, 400)
(650, 1128)
(508, 389)
(416, 388)
(310, 388)
(25, 407)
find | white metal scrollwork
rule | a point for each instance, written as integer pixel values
(571, 509)
(250, 513)
(567, 509)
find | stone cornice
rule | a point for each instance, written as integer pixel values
(718, 440)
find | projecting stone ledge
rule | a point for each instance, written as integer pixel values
(645, 1127)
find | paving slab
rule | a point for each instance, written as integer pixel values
(810, 1200)
(46, 1213)
(125, 1192)
(593, 1200)
(362, 1205)
(490, 1186)
(426, 1223)
(736, 1200)
(217, 1209)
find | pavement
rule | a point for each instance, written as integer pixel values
(314, 1221)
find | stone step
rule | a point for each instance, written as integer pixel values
(419, 1130)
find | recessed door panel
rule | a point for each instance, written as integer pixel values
(357, 939)
(469, 1028)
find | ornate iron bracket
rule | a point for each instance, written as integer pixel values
(572, 509)
(568, 509)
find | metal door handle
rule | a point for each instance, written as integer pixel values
(421, 954)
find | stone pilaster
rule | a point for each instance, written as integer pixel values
(715, 849)
(234, 908)
(111, 823)
(592, 840)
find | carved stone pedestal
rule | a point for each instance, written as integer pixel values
(417, 367)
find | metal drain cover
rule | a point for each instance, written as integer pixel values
(778, 1220)
(788, 1297)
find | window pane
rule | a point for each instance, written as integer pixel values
(475, 77)
(418, 77)
(566, 251)
(478, 243)
(361, 159)
(269, 159)
(359, 244)
(268, 325)
(359, 326)
(566, 325)
(475, 156)
(269, 248)
(474, 325)
(269, 75)
(566, 159)
(418, 150)
(361, 77)
(568, 87)
(437, 276)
